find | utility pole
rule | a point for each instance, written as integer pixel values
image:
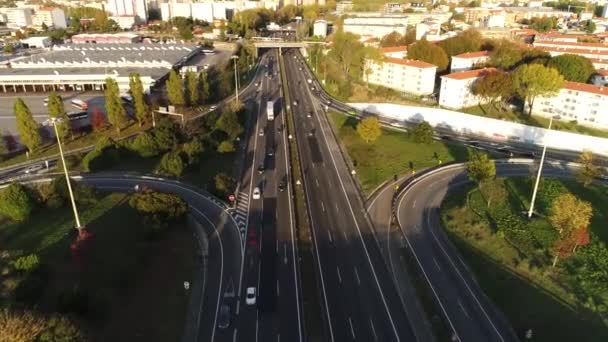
(54, 122)
(540, 169)
(236, 77)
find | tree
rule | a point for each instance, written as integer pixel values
(57, 110)
(16, 202)
(223, 184)
(543, 24)
(424, 51)
(193, 93)
(203, 87)
(481, 169)
(27, 126)
(192, 150)
(27, 263)
(423, 133)
(493, 87)
(98, 120)
(140, 107)
(175, 89)
(171, 207)
(171, 165)
(117, 116)
(590, 26)
(574, 68)
(392, 39)
(145, 145)
(8, 48)
(226, 146)
(369, 129)
(229, 123)
(589, 171)
(346, 51)
(371, 55)
(569, 214)
(530, 81)
(506, 54)
(466, 41)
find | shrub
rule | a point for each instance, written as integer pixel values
(171, 165)
(145, 145)
(223, 184)
(16, 202)
(192, 150)
(20, 326)
(423, 133)
(105, 154)
(226, 146)
(83, 193)
(60, 329)
(27, 263)
(171, 207)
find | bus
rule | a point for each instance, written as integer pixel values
(73, 116)
(79, 104)
(208, 51)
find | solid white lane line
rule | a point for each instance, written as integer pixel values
(322, 206)
(285, 254)
(462, 308)
(278, 291)
(339, 275)
(278, 337)
(414, 204)
(436, 264)
(337, 209)
(331, 239)
(371, 323)
(257, 323)
(352, 330)
(238, 306)
(234, 335)
(317, 181)
(357, 276)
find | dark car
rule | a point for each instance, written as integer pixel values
(223, 321)
(270, 153)
(261, 168)
(282, 186)
(252, 238)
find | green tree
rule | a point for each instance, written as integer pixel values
(223, 184)
(369, 129)
(423, 133)
(145, 145)
(589, 171)
(193, 150)
(530, 81)
(57, 110)
(424, 51)
(371, 55)
(481, 169)
(8, 48)
(171, 207)
(229, 123)
(171, 165)
(493, 87)
(226, 146)
(117, 116)
(590, 26)
(140, 107)
(392, 39)
(574, 68)
(16, 202)
(506, 54)
(61, 329)
(543, 24)
(27, 127)
(193, 92)
(27, 263)
(175, 89)
(203, 87)
(568, 214)
(466, 41)
(346, 51)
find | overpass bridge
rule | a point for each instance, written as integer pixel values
(275, 43)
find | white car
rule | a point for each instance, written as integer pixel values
(206, 66)
(212, 108)
(33, 169)
(250, 298)
(256, 193)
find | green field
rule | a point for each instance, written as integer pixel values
(531, 293)
(393, 153)
(129, 287)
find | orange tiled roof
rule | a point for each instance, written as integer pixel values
(588, 88)
(463, 75)
(410, 62)
(394, 49)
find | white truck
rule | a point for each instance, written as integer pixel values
(270, 110)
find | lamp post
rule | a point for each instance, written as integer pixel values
(236, 78)
(54, 122)
(540, 169)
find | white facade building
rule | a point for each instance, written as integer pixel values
(52, 17)
(585, 103)
(18, 17)
(37, 42)
(377, 27)
(125, 22)
(455, 89)
(467, 61)
(136, 8)
(320, 28)
(429, 30)
(404, 75)
(395, 51)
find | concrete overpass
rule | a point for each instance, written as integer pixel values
(267, 42)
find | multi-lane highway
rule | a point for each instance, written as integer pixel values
(359, 300)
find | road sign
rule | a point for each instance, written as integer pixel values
(231, 198)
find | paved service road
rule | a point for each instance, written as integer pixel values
(467, 311)
(360, 301)
(224, 260)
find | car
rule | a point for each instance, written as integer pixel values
(282, 186)
(206, 66)
(250, 297)
(270, 153)
(256, 193)
(309, 115)
(261, 132)
(300, 68)
(312, 88)
(252, 238)
(311, 133)
(295, 103)
(33, 169)
(213, 107)
(261, 168)
(256, 84)
(223, 321)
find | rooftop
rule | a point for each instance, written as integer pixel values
(476, 54)
(573, 51)
(409, 62)
(465, 75)
(588, 88)
(401, 48)
(572, 44)
(154, 73)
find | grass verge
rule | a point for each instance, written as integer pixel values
(531, 293)
(394, 152)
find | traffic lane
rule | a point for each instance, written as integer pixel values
(370, 253)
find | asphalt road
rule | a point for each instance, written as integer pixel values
(224, 259)
(468, 312)
(360, 301)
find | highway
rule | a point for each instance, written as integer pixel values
(360, 301)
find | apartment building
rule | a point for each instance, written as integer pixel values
(135, 8)
(52, 17)
(18, 17)
(455, 91)
(395, 51)
(585, 103)
(469, 60)
(377, 26)
(208, 11)
(404, 75)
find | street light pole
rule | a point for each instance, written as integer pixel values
(236, 78)
(54, 121)
(540, 169)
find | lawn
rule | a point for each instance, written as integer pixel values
(128, 287)
(531, 293)
(393, 153)
(516, 116)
